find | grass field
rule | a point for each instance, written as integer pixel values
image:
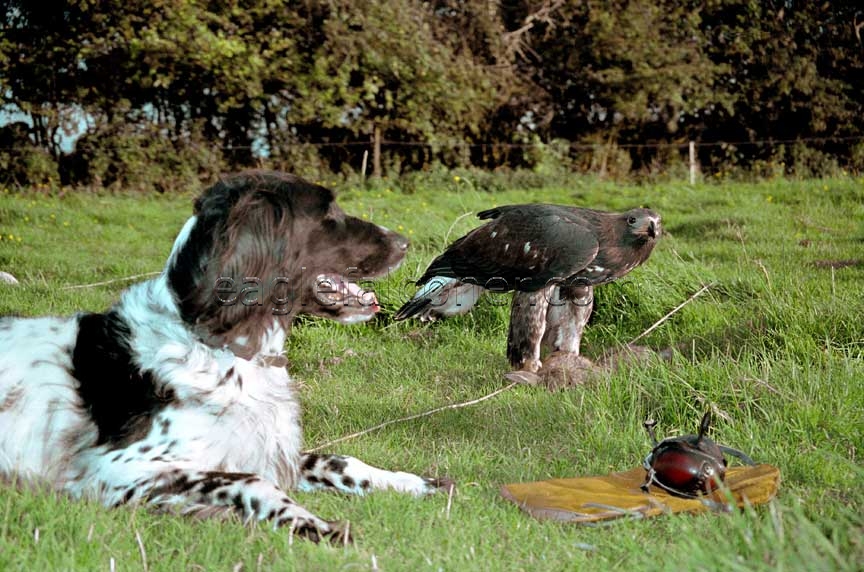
(776, 347)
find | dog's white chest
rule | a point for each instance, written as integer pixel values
(249, 422)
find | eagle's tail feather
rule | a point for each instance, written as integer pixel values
(411, 308)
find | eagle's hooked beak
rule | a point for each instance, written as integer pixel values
(652, 228)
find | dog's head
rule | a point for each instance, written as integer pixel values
(265, 246)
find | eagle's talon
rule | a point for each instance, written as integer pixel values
(532, 365)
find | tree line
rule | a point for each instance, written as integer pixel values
(153, 90)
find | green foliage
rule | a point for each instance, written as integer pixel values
(856, 159)
(650, 62)
(462, 83)
(23, 163)
(809, 163)
(385, 65)
(28, 165)
(603, 158)
(142, 157)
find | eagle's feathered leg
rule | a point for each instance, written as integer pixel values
(527, 326)
(568, 312)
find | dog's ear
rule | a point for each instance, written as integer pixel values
(223, 275)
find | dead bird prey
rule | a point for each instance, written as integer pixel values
(551, 255)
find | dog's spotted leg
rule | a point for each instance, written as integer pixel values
(351, 475)
(211, 493)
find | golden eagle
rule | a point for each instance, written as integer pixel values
(551, 255)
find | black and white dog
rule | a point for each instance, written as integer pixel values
(178, 395)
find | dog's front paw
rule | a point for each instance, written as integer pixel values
(316, 530)
(340, 533)
(411, 483)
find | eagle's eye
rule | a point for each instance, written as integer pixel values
(631, 220)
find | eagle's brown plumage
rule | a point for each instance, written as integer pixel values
(544, 253)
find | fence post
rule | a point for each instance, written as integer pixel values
(363, 167)
(692, 163)
(376, 152)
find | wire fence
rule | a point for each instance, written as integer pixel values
(813, 161)
(540, 145)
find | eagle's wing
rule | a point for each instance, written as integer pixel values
(521, 248)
